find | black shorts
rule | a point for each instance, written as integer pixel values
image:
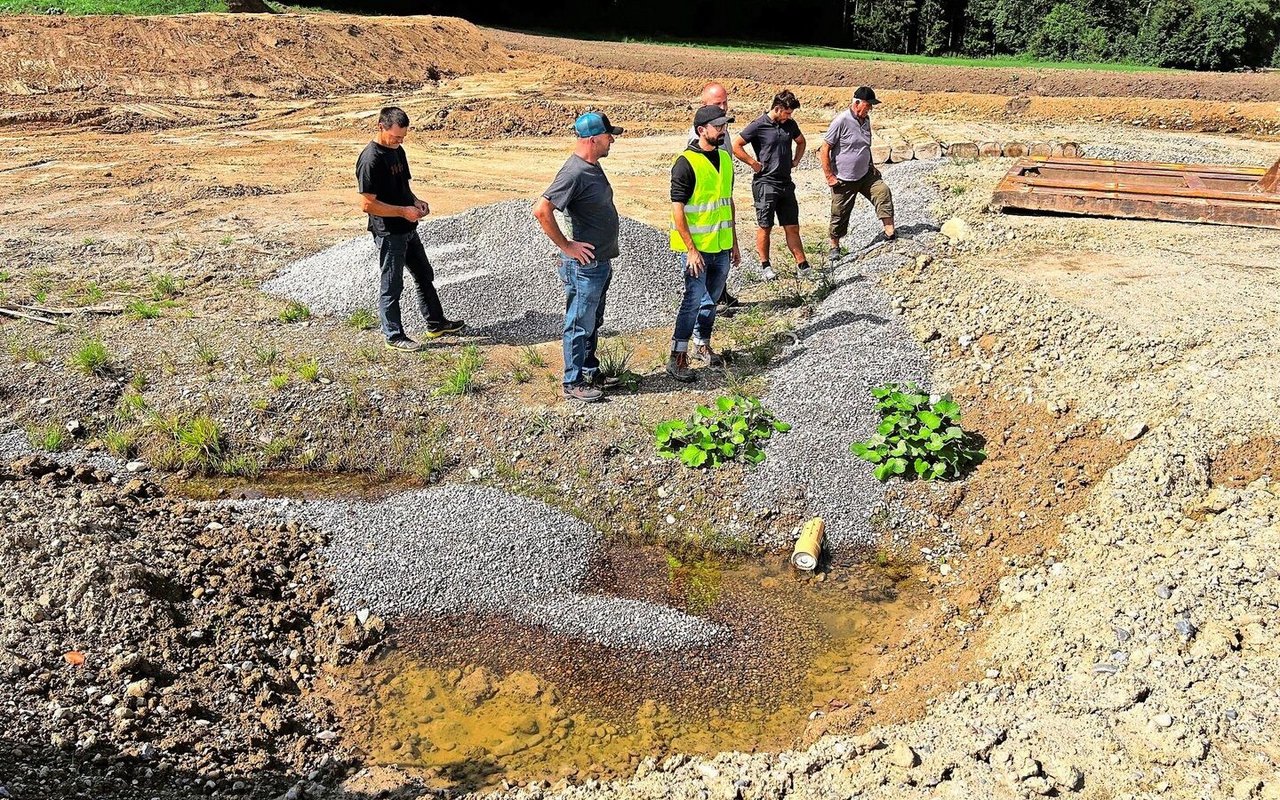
(773, 200)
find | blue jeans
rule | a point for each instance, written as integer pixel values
(698, 308)
(585, 286)
(397, 252)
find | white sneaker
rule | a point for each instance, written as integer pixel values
(768, 274)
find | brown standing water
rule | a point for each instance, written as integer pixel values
(469, 702)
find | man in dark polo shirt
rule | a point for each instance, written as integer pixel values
(771, 136)
(382, 179)
(582, 191)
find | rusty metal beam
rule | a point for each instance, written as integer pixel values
(1271, 181)
(1211, 193)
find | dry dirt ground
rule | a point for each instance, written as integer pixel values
(216, 149)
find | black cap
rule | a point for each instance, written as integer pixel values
(710, 115)
(865, 94)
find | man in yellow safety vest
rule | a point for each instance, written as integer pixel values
(702, 233)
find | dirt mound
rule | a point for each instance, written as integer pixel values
(775, 70)
(210, 55)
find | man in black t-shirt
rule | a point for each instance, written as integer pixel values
(382, 179)
(771, 136)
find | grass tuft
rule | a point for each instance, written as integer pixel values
(362, 319)
(462, 378)
(49, 438)
(295, 312)
(141, 309)
(164, 286)
(91, 357)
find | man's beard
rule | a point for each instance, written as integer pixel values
(719, 140)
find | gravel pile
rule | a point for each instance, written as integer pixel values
(855, 341)
(457, 549)
(495, 268)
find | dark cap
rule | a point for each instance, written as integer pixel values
(865, 94)
(710, 115)
(593, 123)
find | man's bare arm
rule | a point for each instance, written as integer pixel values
(740, 153)
(582, 252)
(370, 204)
(800, 146)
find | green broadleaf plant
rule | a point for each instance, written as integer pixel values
(919, 436)
(735, 429)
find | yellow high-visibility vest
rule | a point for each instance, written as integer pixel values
(709, 211)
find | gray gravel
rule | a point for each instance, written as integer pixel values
(854, 342)
(454, 549)
(495, 269)
(1172, 148)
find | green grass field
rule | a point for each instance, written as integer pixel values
(141, 7)
(818, 51)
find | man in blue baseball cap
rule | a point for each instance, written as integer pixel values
(581, 190)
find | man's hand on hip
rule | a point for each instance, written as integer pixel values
(832, 180)
(582, 252)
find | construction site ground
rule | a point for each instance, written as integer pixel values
(1108, 627)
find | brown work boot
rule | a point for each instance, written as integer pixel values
(703, 354)
(678, 367)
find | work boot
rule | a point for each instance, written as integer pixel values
(703, 354)
(602, 381)
(678, 367)
(404, 344)
(583, 392)
(438, 329)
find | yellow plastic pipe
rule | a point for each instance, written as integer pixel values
(809, 545)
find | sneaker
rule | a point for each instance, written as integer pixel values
(602, 381)
(766, 272)
(678, 368)
(403, 344)
(728, 301)
(437, 329)
(703, 354)
(834, 255)
(583, 392)
(803, 267)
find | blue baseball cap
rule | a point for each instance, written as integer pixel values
(593, 123)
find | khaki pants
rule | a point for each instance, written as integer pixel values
(845, 193)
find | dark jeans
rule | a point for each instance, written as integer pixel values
(698, 308)
(396, 252)
(585, 286)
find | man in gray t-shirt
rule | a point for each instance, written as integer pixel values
(582, 191)
(845, 156)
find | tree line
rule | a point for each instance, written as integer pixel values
(1190, 34)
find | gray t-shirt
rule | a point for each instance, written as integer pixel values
(583, 193)
(850, 140)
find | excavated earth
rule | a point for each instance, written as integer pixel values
(1092, 613)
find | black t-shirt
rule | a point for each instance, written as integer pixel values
(682, 175)
(384, 173)
(582, 191)
(772, 143)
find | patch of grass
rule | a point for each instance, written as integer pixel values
(133, 7)
(615, 362)
(371, 354)
(164, 286)
(308, 370)
(24, 352)
(207, 354)
(227, 241)
(277, 448)
(139, 382)
(260, 404)
(431, 458)
(50, 438)
(91, 357)
(245, 465)
(265, 356)
(295, 312)
(199, 442)
(307, 459)
(93, 294)
(521, 375)
(362, 319)
(530, 356)
(279, 380)
(5, 276)
(462, 378)
(141, 309)
(120, 443)
(131, 406)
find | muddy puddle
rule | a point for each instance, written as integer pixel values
(468, 702)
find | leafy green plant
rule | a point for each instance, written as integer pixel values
(735, 429)
(919, 436)
(362, 319)
(91, 357)
(295, 312)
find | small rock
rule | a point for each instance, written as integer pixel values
(136, 466)
(903, 756)
(1162, 720)
(1134, 431)
(957, 230)
(1163, 591)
